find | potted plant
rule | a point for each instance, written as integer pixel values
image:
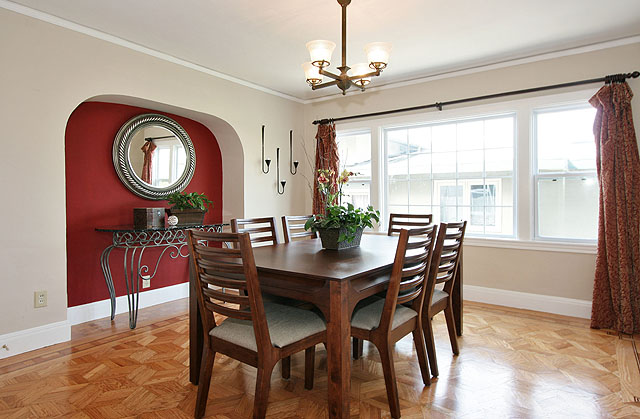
(190, 208)
(339, 227)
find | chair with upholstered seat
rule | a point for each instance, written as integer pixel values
(408, 221)
(396, 223)
(293, 228)
(256, 333)
(444, 268)
(384, 321)
(263, 231)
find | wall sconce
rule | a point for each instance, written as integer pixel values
(295, 163)
(267, 161)
(280, 182)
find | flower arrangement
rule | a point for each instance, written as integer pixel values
(347, 219)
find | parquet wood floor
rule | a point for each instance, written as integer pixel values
(512, 364)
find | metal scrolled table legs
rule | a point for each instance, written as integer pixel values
(106, 271)
(134, 244)
(132, 282)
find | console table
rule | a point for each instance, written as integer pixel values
(135, 241)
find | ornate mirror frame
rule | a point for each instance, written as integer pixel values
(123, 165)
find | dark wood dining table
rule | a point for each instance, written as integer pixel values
(332, 280)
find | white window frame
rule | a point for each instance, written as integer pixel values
(523, 168)
(536, 175)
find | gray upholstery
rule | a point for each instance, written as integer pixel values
(438, 295)
(367, 314)
(287, 325)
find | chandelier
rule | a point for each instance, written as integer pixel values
(359, 75)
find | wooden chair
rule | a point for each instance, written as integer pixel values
(396, 223)
(293, 228)
(262, 231)
(444, 266)
(384, 321)
(260, 334)
(408, 221)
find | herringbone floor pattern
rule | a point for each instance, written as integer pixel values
(512, 364)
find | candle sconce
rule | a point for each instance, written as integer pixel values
(280, 182)
(292, 163)
(267, 161)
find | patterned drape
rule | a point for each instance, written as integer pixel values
(326, 158)
(616, 292)
(147, 149)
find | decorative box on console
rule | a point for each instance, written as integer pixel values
(148, 217)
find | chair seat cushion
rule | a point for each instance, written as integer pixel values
(438, 295)
(287, 325)
(367, 313)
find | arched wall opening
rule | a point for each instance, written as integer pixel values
(96, 197)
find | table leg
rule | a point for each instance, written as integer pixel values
(196, 340)
(456, 297)
(106, 271)
(132, 281)
(338, 353)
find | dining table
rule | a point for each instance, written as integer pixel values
(333, 280)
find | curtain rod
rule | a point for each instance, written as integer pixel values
(607, 79)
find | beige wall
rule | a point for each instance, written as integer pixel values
(541, 272)
(46, 72)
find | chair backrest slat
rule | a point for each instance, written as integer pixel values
(234, 272)
(446, 257)
(293, 228)
(407, 221)
(226, 297)
(226, 311)
(223, 281)
(261, 230)
(408, 275)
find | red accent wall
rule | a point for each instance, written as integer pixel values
(95, 196)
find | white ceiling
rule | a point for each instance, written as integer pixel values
(263, 42)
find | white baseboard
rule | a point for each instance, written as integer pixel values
(101, 309)
(34, 338)
(545, 303)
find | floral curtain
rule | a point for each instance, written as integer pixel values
(147, 149)
(616, 293)
(326, 158)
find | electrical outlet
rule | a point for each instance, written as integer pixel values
(39, 299)
(146, 281)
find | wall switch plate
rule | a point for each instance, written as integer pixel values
(146, 281)
(39, 299)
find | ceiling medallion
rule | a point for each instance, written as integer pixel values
(360, 74)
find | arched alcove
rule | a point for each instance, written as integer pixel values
(95, 196)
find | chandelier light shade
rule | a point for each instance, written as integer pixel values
(320, 52)
(360, 75)
(378, 54)
(312, 73)
(360, 70)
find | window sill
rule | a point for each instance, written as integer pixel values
(541, 246)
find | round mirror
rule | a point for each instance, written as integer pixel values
(153, 156)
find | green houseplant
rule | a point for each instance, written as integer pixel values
(339, 227)
(190, 208)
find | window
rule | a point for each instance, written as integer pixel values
(355, 155)
(517, 171)
(566, 186)
(457, 170)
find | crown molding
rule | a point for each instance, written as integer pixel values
(54, 20)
